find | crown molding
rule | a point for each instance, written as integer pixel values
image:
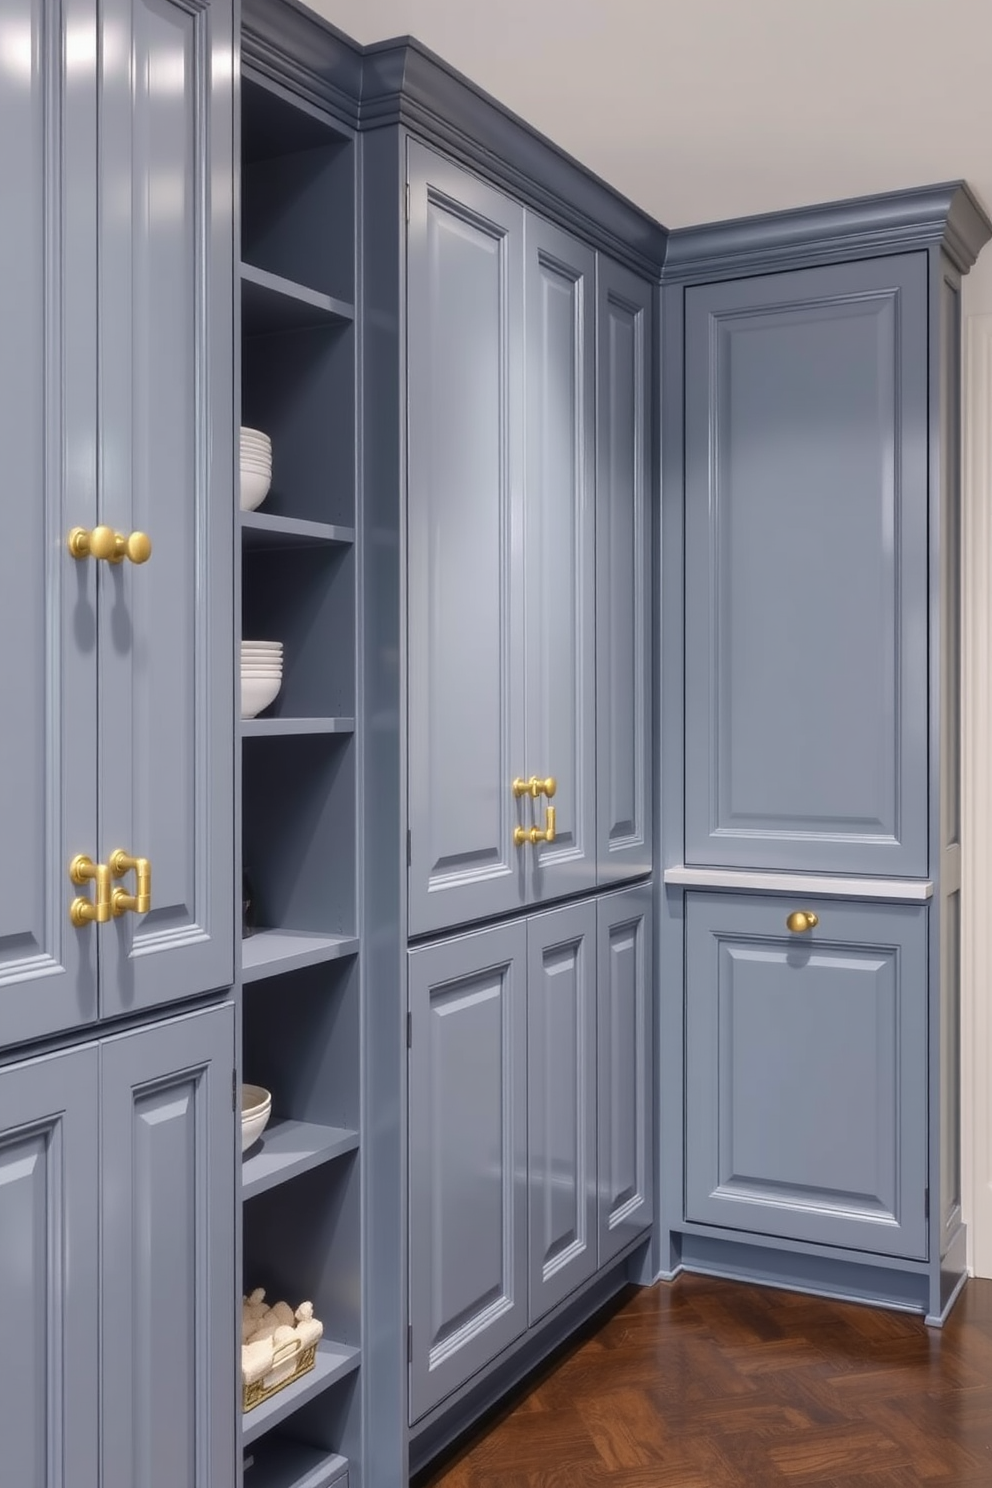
(946, 215)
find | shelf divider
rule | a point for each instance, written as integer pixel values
(269, 953)
(269, 530)
(267, 728)
(271, 303)
(287, 1148)
(279, 1463)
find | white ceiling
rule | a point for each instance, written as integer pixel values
(703, 109)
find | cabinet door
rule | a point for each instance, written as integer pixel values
(166, 437)
(559, 595)
(625, 1016)
(167, 1193)
(465, 439)
(806, 570)
(48, 969)
(806, 1071)
(624, 621)
(561, 1102)
(48, 1270)
(468, 1158)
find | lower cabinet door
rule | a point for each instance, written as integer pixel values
(561, 1102)
(625, 1063)
(806, 1070)
(467, 1157)
(49, 1163)
(169, 1392)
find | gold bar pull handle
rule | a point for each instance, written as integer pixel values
(534, 835)
(121, 902)
(95, 911)
(109, 546)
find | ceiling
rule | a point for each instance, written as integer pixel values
(704, 109)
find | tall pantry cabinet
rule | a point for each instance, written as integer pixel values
(811, 788)
(115, 757)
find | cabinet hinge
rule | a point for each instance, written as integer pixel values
(409, 1344)
(409, 1030)
(407, 206)
(926, 1203)
(234, 1090)
(409, 848)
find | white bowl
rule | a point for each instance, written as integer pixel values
(256, 1108)
(262, 645)
(257, 693)
(254, 487)
(259, 434)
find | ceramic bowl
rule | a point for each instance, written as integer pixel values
(257, 693)
(254, 486)
(256, 1108)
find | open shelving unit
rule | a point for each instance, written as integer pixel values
(300, 976)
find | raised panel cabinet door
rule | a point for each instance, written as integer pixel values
(625, 1016)
(167, 1194)
(806, 1071)
(559, 592)
(561, 1102)
(166, 438)
(465, 474)
(625, 497)
(806, 570)
(48, 968)
(49, 1160)
(468, 1157)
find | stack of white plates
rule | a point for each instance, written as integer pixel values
(261, 675)
(256, 468)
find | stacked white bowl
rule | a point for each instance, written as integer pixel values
(261, 675)
(256, 468)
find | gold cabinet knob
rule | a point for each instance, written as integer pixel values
(535, 787)
(108, 546)
(95, 911)
(802, 919)
(121, 902)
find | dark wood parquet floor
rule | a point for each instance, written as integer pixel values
(709, 1384)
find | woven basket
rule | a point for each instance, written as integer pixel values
(271, 1383)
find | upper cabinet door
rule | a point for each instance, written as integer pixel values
(465, 450)
(559, 658)
(806, 570)
(624, 500)
(48, 968)
(166, 438)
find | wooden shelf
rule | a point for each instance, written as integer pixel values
(278, 1463)
(269, 953)
(267, 728)
(287, 1148)
(334, 1361)
(266, 530)
(270, 303)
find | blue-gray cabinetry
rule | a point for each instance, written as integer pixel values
(121, 1290)
(530, 1094)
(120, 738)
(806, 570)
(528, 565)
(810, 924)
(806, 1070)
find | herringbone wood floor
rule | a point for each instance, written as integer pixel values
(709, 1384)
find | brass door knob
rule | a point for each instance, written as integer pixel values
(802, 919)
(103, 543)
(535, 787)
(121, 902)
(95, 911)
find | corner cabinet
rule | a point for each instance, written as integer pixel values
(812, 481)
(117, 354)
(527, 565)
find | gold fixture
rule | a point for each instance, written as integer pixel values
(84, 911)
(802, 919)
(534, 834)
(113, 547)
(534, 787)
(121, 901)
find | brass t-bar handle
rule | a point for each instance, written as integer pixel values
(534, 834)
(535, 787)
(110, 546)
(121, 902)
